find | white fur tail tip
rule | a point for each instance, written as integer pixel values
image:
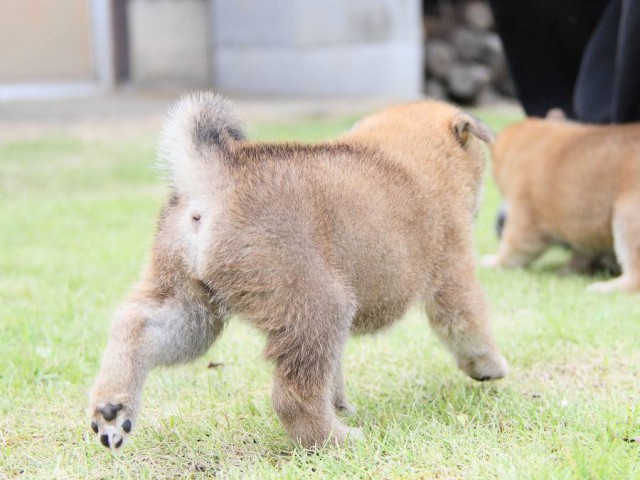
(199, 133)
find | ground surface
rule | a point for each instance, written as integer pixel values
(77, 215)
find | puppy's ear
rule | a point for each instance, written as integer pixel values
(465, 125)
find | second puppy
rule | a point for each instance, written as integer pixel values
(572, 184)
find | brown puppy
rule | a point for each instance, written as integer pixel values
(573, 184)
(308, 243)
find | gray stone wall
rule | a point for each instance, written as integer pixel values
(318, 47)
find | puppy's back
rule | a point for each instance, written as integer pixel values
(358, 210)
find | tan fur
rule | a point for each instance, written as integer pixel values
(308, 243)
(572, 184)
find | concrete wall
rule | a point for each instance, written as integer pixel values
(318, 47)
(263, 47)
(45, 41)
(170, 42)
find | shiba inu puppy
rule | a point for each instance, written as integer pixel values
(571, 184)
(308, 243)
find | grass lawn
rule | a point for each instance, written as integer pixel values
(76, 222)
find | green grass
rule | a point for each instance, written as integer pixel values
(76, 222)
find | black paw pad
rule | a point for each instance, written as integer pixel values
(94, 427)
(109, 411)
(119, 443)
(104, 440)
(126, 426)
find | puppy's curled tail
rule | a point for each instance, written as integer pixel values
(198, 137)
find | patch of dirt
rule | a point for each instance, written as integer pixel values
(598, 371)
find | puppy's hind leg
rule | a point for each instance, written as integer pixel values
(306, 350)
(149, 330)
(340, 402)
(626, 237)
(458, 314)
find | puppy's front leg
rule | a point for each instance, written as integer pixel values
(144, 334)
(458, 314)
(340, 402)
(520, 243)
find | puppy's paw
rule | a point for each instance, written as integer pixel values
(348, 435)
(489, 367)
(490, 261)
(338, 435)
(625, 284)
(112, 421)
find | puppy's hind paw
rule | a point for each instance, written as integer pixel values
(111, 422)
(489, 367)
(348, 436)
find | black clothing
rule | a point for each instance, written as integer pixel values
(579, 55)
